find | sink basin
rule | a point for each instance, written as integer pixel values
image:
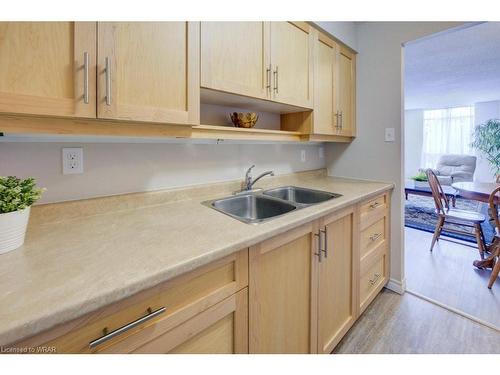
(252, 208)
(300, 195)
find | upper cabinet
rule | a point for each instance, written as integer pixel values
(235, 57)
(148, 71)
(263, 60)
(346, 91)
(292, 63)
(48, 68)
(335, 92)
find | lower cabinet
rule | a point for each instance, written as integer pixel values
(282, 292)
(297, 292)
(337, 279)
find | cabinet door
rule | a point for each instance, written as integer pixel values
(222, 329)
(336, 287)
(282, 293)
(292, 63)
(346, 105)
(235, 57)
(324, 89)
(48, 68)
(149, 71)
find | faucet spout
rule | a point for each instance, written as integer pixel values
(251, 182)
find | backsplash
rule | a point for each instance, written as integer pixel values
(117, 168)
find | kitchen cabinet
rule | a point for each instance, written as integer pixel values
(48, 68)
(282, 293)
(263, 60)
(374, 253)
(346, 92)
(292, 63)
(335, 80)
(235, 57)
(337, 302)
(148, 71)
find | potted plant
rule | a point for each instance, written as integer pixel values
(16, 198)
(420, 179)
(486, 138)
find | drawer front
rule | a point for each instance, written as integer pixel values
(375, 207)
(373, 236)
(182, 298)
(373, 278)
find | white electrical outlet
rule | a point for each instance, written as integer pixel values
(321, 152)
(72, 160)
(390, 135)
(303, 156)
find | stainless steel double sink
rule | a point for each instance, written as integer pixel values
(258, 207)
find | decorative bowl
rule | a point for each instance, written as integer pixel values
(244, 120)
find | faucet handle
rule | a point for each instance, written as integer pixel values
(249, 171)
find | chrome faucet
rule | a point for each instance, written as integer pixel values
(249, 181)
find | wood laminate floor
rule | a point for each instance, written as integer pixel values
(447, 275)
(408, 325)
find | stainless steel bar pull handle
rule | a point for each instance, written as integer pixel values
(108, 336)
(341, 120)
(319, 245)
(276, 78)
(268, 78)
(86, 77)
(325, 242)
(336, 115)
(108, 81)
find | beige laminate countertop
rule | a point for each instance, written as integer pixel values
(80, 256)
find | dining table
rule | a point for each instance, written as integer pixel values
(479, 191)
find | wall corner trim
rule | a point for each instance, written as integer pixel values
(396, 285)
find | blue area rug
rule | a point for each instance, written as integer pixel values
(419, 214)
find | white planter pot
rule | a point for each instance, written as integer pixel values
(422, 184)
(13, 229)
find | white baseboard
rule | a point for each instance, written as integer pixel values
(396, 285)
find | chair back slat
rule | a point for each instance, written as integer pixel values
(494, 207)
(440, 198)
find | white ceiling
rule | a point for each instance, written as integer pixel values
(452, 69)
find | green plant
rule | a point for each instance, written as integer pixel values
(421, 176)
(486, 138)
(17, 194)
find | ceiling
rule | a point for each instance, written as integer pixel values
(453, 69)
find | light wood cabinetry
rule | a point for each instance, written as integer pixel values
(48, 68)
(297, 292)
(334, 94)
(148, 71)
(235, 57)
(374, 248)
(263, 60)
(282, 293)
(337, 302)
(292, 63)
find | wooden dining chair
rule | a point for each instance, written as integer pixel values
(495, 246)
(447, 215)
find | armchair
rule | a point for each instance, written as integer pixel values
(455, 168)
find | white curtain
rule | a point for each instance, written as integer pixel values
(446, 131)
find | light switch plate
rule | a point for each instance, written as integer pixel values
(321, 152)
(72, 160)
(390, 134)
(303, 156)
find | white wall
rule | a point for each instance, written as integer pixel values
(483, 112)
(343, 31)
(114, 168)
(414, 137)
(379, 105)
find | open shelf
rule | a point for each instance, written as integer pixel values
(227, 132)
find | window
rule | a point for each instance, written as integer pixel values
(446, 131)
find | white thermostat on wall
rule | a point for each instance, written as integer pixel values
(390, 134)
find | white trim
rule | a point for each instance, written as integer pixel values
(456, 311)
(396, 285)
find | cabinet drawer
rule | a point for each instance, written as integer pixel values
(373, 208)
(373, 278)
(182, 297)
(373, 236)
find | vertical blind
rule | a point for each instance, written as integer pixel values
(446, 131)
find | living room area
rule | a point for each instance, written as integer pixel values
(452, 170)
